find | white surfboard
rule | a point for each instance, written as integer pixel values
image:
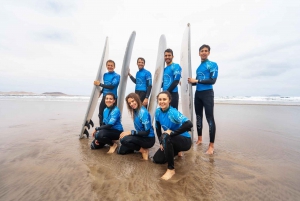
(124, 71)
(158, 76)
(186, 88)
(87, 121)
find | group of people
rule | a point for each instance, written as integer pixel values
(170, 125)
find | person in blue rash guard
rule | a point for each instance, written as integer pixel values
(143, 81)
(175, 137)
(207, 74)
(111, 82)
(111, 128)
(171, 78)
(142, 138)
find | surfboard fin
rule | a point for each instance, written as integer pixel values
(91, 123)
(87, 125)
(87, 133)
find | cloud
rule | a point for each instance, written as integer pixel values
(253, 42)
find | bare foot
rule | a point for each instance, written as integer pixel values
(199, 141)
(168, 175)
(180, 154)
(112, 148)
(145, 153)
(210, 149)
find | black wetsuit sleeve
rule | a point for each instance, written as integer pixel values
(108, 126)
(172, 86)
(142, 133)
(186, 126)
(148, 89)
(107, 86)
(132, 79)
(158, 130)
(208, 81)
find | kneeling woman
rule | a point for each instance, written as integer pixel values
(142, 137)
(111, 129)
(175, 137)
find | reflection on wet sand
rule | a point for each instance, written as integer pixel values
(43, 159)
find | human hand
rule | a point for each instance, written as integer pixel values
(94, 133)
(97, 82)
(145, 102)
(192, 80)
(168, 131)
(123, 134)
(161, 147)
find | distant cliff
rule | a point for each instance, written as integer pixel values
(24, 93)
(54, 94)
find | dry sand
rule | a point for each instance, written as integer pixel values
(257, 157)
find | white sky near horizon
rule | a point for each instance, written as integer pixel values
(56, 46)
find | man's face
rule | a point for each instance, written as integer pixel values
(204, 53)
(168, 57)
(140, 63)
(110, 66)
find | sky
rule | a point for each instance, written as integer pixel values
(56, 46)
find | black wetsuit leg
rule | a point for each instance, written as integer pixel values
(102, 106)
(175, 99)
(205, 99)
(172, 146)
(133, 142)
(142, 95)
(106, 136)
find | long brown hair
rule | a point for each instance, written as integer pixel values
(138, 101)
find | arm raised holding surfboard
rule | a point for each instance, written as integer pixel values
(143, 82)
(110, 84)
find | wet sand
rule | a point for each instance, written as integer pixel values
(256, 157)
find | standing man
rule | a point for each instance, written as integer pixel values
(172, 75)
(111, 82)
(143, 82)
(207, 74)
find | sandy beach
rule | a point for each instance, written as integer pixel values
(256, 157)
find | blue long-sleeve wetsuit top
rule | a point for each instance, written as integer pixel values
(171, 73)
(206, 70)
(112, 116)
(142, 122)
(143, 80)
(111, 78)
(171, 119)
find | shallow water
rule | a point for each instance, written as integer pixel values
(256, 158)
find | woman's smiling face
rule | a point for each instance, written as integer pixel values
(109, 100)
(163, 101)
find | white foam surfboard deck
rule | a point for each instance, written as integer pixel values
(186, 88)
(158, 76)
(87, 121)
(124, 71)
